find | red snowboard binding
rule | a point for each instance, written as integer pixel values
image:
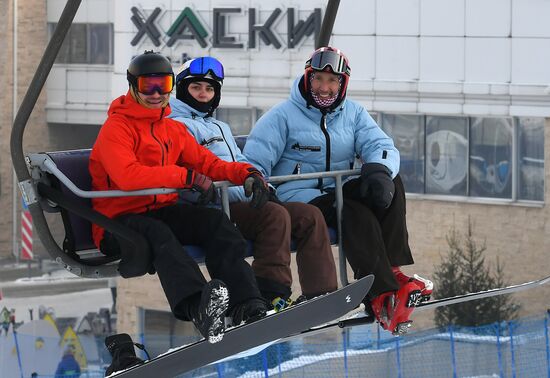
(393, 309)
(426, 286)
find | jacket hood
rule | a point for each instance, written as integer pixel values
(181, 109)
(311, 111)
(126, 105)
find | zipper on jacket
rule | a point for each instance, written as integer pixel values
(227, 144)
(297, 169)
(323, 125)
(159, 143)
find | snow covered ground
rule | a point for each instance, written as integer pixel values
(64, 305)
(72, 304)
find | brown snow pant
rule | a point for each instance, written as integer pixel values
(271, 229)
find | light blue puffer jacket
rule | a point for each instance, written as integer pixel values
(291, 139)
(212, 134)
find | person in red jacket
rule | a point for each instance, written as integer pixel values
(139, 148)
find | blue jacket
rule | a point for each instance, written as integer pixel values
(290, 139)
(212, 134)
(68, 367)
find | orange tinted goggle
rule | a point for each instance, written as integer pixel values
(151, 84)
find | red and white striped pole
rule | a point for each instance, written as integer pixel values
(26, 234)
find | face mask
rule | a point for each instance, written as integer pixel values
(203, 107)
(323, 102)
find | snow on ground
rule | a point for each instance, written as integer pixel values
(57, 276)
(75, 304)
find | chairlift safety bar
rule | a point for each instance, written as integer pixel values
(43, 162)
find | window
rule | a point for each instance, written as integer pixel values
(531, 159)
(447, 155)
(86, 44)
(470, 156)
(240, 120)
(100, 37)
(407, 132)
(491, 161)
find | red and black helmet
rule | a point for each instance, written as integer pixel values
(332, 60)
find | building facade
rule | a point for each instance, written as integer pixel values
(463, 87)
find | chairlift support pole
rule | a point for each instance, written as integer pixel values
(328, 23)
(15, 197)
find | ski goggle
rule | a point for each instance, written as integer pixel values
(203, 66)
(329, 58)
(150, 84)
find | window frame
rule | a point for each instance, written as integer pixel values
(88, 59)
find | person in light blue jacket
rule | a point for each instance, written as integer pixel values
(271, 226)
(317, 129)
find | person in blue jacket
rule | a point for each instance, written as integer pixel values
(269, 225)
(317, 129)
(68, 367)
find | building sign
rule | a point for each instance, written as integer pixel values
(188, 26)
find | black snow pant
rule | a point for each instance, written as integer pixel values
(169, 228)
(374, 240)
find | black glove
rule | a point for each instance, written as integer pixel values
(203, 185)
(377, 186)
(255, 186)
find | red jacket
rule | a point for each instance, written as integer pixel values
(139, 148)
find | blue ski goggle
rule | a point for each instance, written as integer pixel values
(201, 67)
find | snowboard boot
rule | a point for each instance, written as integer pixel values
(426, 286)
(393, 309)
(209, 315)
(121, 348)
(248, 311)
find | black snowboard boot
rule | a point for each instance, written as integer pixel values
(209, 315)
(248, 311)
(122, 351)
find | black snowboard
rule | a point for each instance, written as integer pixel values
(293, 320)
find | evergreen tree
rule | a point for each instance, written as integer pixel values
(464, 270)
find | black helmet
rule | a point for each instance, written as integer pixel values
(148, 63)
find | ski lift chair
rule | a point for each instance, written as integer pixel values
(63, 185)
